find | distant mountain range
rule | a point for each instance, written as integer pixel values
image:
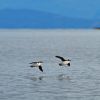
(37, 19)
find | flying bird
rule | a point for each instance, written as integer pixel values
(37, 64)
(64, 61)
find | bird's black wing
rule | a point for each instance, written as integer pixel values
(68, 64)
(33, 62)
(40, 67)
(60, 58)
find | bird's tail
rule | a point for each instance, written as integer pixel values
(60, 64)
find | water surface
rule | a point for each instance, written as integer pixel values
(18, 81)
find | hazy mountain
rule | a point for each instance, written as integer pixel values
(69, 8)
(38, 19)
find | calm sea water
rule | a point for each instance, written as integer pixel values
(80, 81)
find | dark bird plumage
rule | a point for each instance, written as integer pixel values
(60, 58)
(40, 67)
(37, 64)
(64, 61)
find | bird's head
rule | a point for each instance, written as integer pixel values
(40, 61)
(68, 60)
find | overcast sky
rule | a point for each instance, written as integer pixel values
(70, 8)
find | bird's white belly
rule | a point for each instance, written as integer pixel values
(66, 62)
(39, 64)
(35, 65)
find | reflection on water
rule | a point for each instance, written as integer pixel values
(80, 81)
(58, 77)
(63, 77)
